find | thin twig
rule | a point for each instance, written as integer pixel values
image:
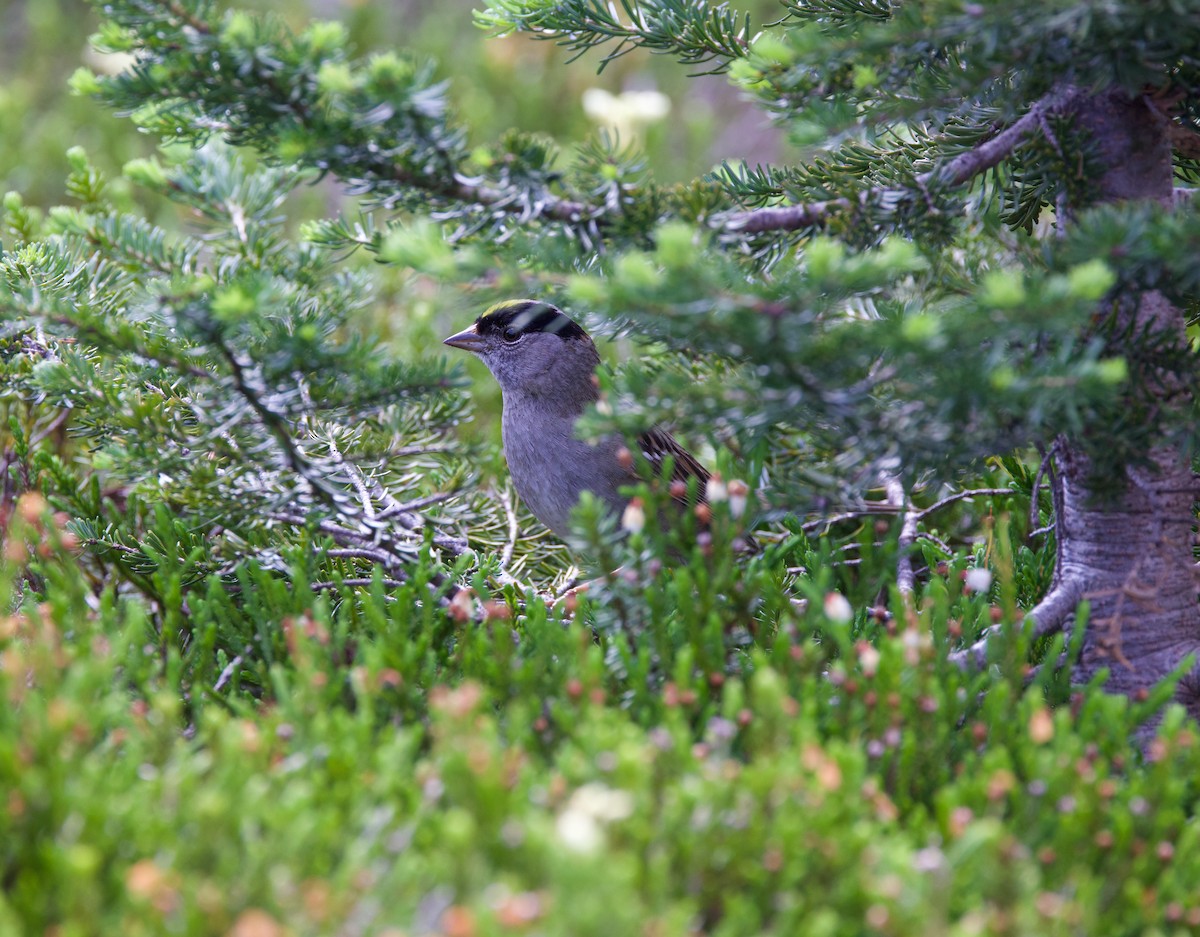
(339, 533)
(358, 581)
(414, 505)
(905, 578)
(60, 418)
(229, 670)
(1037, 486)
(937, 541)
(382, 557)
(513, 532)
(959, 496)
(871, 509)
(354, 473)
(245, 373)
(1060, 520)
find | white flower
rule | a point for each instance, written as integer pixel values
(715, 489)
(633, 518)
(603, 803)
(837, 607)
(626, 113)
(578, 831)
(738, 490)
(979, 580)
(580, 826)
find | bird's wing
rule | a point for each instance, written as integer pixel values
(656, 444)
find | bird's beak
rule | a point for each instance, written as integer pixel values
(467, 340)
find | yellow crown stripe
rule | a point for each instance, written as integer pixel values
(501, 307)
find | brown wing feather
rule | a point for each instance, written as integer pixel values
(656, 444)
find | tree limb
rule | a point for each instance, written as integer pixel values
(957, 171)
(1049, 617)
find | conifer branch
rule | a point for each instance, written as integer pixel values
(958, 171)
(693, 32)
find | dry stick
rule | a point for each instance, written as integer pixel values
(51, 427)
(959, 496)
(356, 478)
(908, 534)
(1037, 487)
(1056, 498)
(414, 505)
(358, 581)
(504, 576)
(874, 508)
(962, 168)
(378, 556)
(251, 387)
(227, 673)
(513, 531)
(870, 510)
(402, 511)
(367, 549)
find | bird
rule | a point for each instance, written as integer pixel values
(545, 364)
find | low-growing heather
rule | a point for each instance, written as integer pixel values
(379, 765)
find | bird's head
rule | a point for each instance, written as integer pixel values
(531, 348)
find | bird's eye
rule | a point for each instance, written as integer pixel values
(512, 334)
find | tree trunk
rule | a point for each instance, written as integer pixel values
(1129, 553)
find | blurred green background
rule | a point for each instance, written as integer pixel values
(496, 84)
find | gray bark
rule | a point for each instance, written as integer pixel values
(1130, 556)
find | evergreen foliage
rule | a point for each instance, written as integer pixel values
(278, 656)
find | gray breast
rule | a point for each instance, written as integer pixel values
(551, 469)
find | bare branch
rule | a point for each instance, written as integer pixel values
(250, 385)
(1037, 488)
(359, 581)
(908, 534)
(1056, 494)
(871, 509)
(513, 531)
(791, 217)
(50, 428)
(230, 669)
(414, 505)
(959, 496)
(936, 541)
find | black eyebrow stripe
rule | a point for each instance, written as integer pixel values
(530, 316)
